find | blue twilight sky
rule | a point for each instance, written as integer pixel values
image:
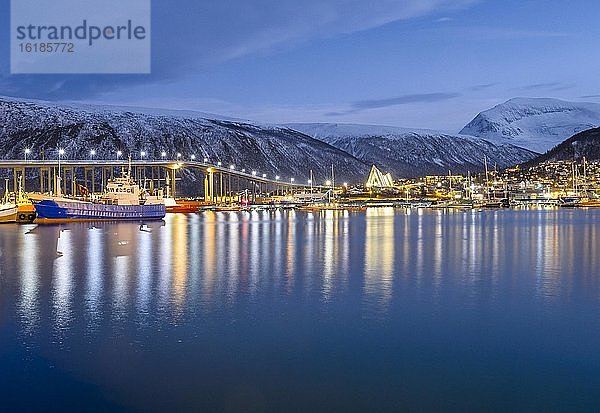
(413, 63)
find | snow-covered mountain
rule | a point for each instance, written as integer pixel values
(414, 152)
(44, 127)
(585, 144)
(534, 123)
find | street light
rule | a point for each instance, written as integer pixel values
(27, 152)
(61, 152)
(264, 175)
(277, 177)
(205, 160)
(244, 170)
(142, 154)
(328, 182)
(178, 155)
(292, 180)
(232, 167)
(193, 157)
(254, 173)
(92, 153)
(163, 154)
(119, 153)
(219, 163)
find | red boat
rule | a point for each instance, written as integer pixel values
(180, 206)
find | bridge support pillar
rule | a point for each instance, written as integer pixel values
(173, 178)
(209, 183)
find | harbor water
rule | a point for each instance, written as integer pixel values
(296, 311)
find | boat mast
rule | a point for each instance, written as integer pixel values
(332, 183)
(487, 177)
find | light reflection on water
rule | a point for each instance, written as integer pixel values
(281, 274)
(227, 255)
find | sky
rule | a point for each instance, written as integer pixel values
(412, 63)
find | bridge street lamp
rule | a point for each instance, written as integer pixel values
(61, 152)
(92, 153)
(27, 152)
(119, 153)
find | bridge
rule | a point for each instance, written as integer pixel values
(220, 183)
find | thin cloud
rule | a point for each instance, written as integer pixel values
(403, 100)
(363, 105)
(550, 86)
(485, 86)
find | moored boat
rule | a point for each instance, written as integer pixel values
(8, 212)
(122, 199)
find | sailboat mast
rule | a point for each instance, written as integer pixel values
(487, 177)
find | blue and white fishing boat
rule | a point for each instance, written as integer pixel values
(122, 199)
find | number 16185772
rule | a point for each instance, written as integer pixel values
(49, 47)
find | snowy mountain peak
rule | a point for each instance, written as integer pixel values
(414, 152)
(538, 124)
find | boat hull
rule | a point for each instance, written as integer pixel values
(58, 211)
(8, 214)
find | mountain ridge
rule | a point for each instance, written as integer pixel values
(415, 152)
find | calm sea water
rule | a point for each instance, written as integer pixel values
(381, 310)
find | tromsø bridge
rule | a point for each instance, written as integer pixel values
(220, 182)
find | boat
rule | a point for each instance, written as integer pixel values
(122, 199)
(16, 207)
(8, 212)
(579, 202)
(177, 206)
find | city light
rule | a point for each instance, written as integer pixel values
(310, 181)
(244, 170)
(205, 160)
(277, 177)
(178, 155)
(254, 173)
(264, 175)
(219, 163)
(119, 153)
(291, 179)
(27, 152)
(193, 157)
(61, 152)
(163, 154)
(142, 154)
(328, 182)
(232, 167)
